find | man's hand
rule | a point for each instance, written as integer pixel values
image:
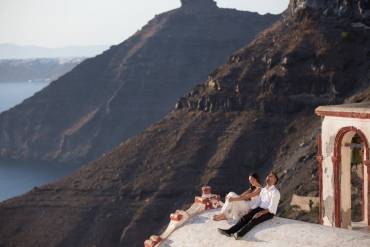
(259, 214)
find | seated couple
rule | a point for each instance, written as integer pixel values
(251, 208)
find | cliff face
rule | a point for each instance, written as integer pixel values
(343, 8)
(254, 113)
(115, 95)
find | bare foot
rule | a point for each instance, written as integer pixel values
(219, 217)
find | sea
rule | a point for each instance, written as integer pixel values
(13, 93)
(19, 177)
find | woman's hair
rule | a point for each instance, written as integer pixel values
(255, 176)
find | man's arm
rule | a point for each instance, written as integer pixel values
(260, 213)
(272, 208)
(274, 203)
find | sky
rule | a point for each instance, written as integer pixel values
(59, 23)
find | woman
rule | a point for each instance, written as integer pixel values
(236, 206)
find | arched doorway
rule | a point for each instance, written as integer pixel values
(351, 150)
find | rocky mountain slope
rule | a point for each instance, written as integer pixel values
(253, 114)
(115, 95)
(39, 69)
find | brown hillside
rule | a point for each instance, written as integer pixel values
(254, 113)
(115, 95)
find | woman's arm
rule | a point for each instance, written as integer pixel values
(246, 192)
(254, 193)
(246, 196)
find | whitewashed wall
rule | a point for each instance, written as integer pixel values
(330, 128)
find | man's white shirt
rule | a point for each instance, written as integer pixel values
(269, 199)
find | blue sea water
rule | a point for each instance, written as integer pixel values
(13, 93)
(18, 177)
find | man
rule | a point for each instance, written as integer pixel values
(265, 210)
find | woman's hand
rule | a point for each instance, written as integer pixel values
(233, 199)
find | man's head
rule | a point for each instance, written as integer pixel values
(272, 179)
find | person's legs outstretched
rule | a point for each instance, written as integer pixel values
(252, 223)
(241, 223)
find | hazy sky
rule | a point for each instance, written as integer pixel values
(55, 23)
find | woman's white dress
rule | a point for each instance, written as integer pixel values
(237, 209)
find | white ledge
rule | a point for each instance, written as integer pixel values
(201, 231)
(363, 107)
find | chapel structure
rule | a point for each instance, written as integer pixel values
(344, 165)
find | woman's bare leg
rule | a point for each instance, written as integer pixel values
(219, 217)
(225, 208)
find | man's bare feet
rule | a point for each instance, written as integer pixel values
(219, 217)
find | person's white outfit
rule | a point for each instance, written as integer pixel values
(236, 209)
(269, 198)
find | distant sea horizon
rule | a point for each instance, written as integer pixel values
(15, 51)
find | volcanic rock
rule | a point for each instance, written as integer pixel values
(110, 98)
(251, 115)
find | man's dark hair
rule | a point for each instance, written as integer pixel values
(276, 177)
